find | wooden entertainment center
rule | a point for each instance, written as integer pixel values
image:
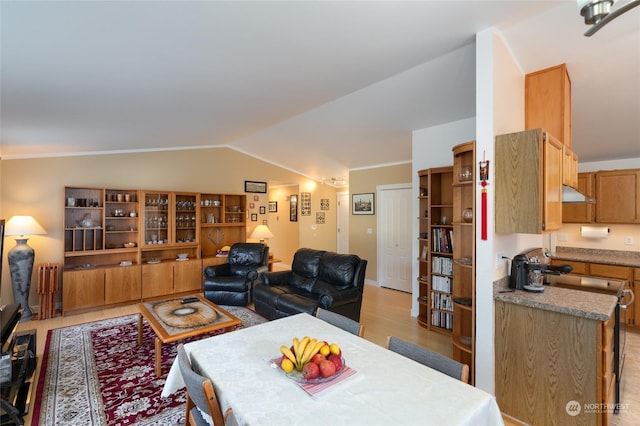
(121, 245)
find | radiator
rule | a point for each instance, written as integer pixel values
(48, 279)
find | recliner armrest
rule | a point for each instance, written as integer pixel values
(217, 270)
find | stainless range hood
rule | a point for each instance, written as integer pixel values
(573, 196)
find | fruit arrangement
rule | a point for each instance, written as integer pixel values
(312, 357)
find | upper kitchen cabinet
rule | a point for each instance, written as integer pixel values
(569, 167)
(618, 196)
(528, 182)
(581, 212)
(548, 102)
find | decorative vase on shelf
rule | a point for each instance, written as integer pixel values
(467, 215)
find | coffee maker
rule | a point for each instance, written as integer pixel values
(528, 270)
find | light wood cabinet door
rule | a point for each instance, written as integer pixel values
(618, 196)
(187, 276)
(157, 280)
(82, 289)
(581, 213)
(569, 167)
(122, 284)
(548, 102)
(528, 182)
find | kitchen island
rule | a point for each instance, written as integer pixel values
(554, 355)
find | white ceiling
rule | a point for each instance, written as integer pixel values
(316, 87)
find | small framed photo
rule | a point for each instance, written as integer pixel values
(256, 198)
(320, 219)
(252, 206)
(263, 210)
(273, 207)
(254, 217)
(253, 186)
(363, 203)
(324, 204)
(293, 208)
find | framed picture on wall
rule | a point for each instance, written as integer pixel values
(254, 217)
(363, 203)
(253, 186)
(293, 208)
(273, 206)
(263, 210)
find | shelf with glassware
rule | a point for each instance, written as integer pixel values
(463, 333)
(435, 244)
(170, 248)
(222, 223)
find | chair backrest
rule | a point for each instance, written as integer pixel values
(341, 321)
(199, 388)
(431, 359)
(248, 254)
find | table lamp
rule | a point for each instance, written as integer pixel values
(261, 232)
(21, 259)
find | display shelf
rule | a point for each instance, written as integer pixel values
(435, 241)
(463, 294)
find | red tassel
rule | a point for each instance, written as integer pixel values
(484, 214)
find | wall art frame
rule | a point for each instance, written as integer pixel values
(293, 208)
(363, 203)
(255, 186)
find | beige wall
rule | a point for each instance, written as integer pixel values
(363, 181)
(36, 187)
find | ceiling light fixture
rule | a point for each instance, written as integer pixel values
(597, 13)
(335, 182)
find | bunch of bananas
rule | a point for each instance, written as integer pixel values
(303, 351)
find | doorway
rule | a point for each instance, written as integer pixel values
(394, 237)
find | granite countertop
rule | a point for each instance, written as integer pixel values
(596, 306)
(608, 257)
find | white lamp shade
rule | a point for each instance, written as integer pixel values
(23, 225)
(261, 232)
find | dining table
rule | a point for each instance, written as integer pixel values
(376, 386)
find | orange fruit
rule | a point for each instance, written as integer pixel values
(335, 349)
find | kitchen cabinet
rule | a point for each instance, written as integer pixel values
(464, 276)
(528, 175)
(618, 196)
(548, 102)
(581, 212)
(436, 253)
(545, 359)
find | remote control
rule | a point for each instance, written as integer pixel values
(189, 300)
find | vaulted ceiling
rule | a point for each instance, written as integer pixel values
(317, 87)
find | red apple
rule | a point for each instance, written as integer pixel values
(337, 361)
(327, 368)
(318, 358)
(310, 370)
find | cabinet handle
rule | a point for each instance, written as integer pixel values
(633, 297)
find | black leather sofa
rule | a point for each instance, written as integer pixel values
(317, 278)
(231, 283)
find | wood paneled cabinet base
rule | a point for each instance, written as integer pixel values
(546, 361)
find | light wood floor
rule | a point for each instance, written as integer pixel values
(384, 312)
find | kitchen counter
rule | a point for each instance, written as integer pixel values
(607, 257)
(578, 303)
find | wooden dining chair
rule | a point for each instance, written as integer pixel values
(431, 359)
(201, 397)
(347, 324)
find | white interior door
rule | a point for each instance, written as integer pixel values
(394, 237)
(343, 222)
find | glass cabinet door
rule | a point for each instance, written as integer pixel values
(156, 218)
(186, 218)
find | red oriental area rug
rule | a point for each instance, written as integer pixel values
(96, 374)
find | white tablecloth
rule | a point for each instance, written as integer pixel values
(388, 389)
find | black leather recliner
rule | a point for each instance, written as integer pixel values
(317, 278)
(231, 283)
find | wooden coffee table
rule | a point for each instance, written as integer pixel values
(172, 320)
